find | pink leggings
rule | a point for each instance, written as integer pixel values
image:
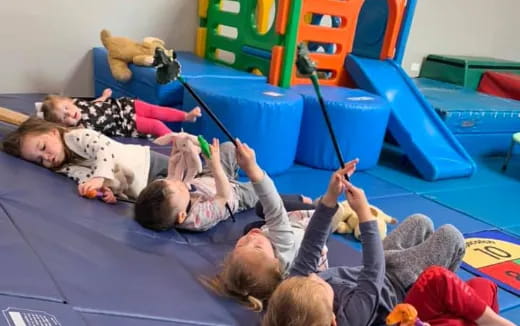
(149, 118)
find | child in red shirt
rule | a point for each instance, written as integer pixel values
(442, 298)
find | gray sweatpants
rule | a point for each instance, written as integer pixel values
(245, 191)
(414, 245)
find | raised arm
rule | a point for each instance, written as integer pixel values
(280, 230)
(319, 226)
(221, 180)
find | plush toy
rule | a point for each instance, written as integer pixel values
(120, 185)
(347, 221)
(122, 51)
(404, 314)
(185, 162)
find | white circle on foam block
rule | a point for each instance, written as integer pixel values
(269, 93)
(360, 98)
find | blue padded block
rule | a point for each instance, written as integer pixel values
(312, 182)
(143, 84)
(485, 144)
(467, 111)
(22, 273)
(30, 312)
(403, 206)
(497, 205)
(371, 28)
(359, 121)
(506, 300)
(264, 116)
(395, 169)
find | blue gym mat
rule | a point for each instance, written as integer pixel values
(30, 312)
(394, 168)
(22, 273)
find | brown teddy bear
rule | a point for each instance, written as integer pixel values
(122, 51)
(346, 220)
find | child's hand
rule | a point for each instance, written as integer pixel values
(358, 201)
(91, 184)
(193, 115)
(337, 183)
(108, 195)
(107, 93)
(246, 159)
(214, 160)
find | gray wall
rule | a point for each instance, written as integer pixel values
(469, 27)
(46, 43)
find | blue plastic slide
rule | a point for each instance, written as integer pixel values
(422, 135)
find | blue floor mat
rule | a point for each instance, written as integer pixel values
(401, 207)
(313, 182)
(515, 230)
(22, 273)
(394, 168)
(496, 205)
(29, 312)
(513, 315)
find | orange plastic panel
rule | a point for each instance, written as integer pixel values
(342, 36)
(393, 28)
(276, 65)
(283, 16)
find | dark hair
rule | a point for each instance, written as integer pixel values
(12, 142)
(152, 209)
(49, 109)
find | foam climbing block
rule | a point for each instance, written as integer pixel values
(467, 111)
(29, 312)
(359, 122)
(264, 116)
(143, 84)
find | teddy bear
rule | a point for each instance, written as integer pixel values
(346, 220)
(184, 163)
(122, 51)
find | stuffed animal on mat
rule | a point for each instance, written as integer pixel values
(120, 185)
(185, 162)
(122, 51)
(404, 314)
(347, 221)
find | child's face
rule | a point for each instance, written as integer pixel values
(255, 243)
(67, 111)
(179, 196)
(44, 149)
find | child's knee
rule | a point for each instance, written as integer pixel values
(421, 220)
(452, 236)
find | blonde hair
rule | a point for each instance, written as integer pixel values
(238, 281)
(296, 302)
(49, 108)
(12, 143)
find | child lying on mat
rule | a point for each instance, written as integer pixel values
(88, 157)
(441, 298)
(122, 116)
(262, 256)
(362, 295)
(208, 199)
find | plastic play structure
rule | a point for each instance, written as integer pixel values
(355, 43)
